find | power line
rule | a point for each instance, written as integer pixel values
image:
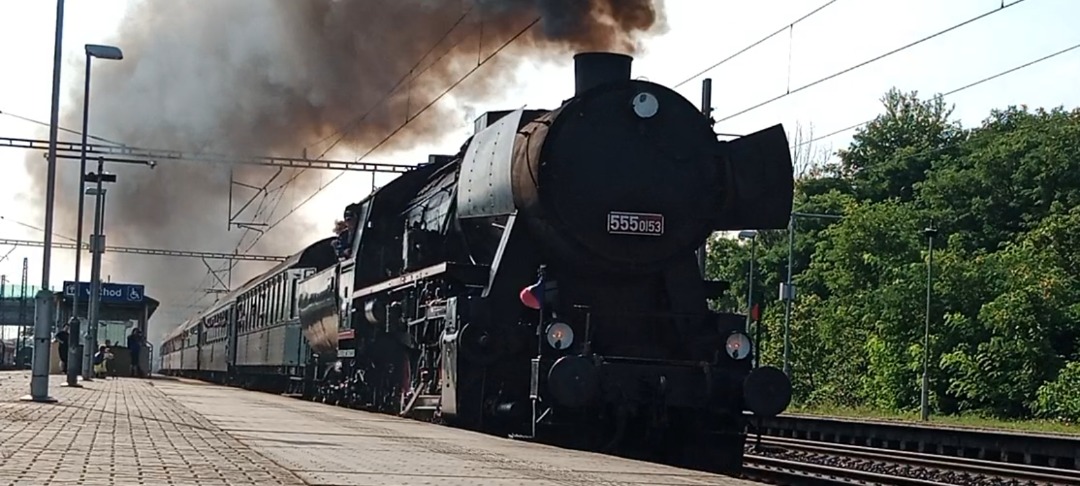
(152, 251)
(343, 132)
(137, 155)
(872, 60)
(409, 74)
(788, 26)
(479, 64)
(62, 129)
(954, 91)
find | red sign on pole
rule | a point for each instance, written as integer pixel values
(755, 313)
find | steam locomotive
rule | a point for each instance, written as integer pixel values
(541, 283)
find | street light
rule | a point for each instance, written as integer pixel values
(752, 236)
(74, 354)
(930, 232)
(97, 247)
(39, 374)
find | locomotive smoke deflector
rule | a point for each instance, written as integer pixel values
(760, 186)
(592, 69)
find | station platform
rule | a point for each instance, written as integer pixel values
(129, 431)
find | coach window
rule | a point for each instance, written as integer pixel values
(257, 307)
(275, 298)
(253, 309)
(262, 306)
(283, 289)
(283, 308)
(275, 301)
(275, 292)
(239, 310)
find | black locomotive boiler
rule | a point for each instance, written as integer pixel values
(543, 282)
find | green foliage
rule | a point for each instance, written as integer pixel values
(1060, 399)
(1004, 301)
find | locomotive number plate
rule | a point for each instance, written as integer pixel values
(623, 223)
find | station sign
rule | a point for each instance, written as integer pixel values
(112, 293)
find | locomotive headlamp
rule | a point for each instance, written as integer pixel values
(645, 105)
(560, 336)
(738, 346)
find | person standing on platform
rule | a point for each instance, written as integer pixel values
(135, 345)
(62, 347)
(101, 362)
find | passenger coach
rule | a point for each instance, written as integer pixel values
(253, 332)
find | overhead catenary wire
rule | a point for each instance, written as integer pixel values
(55, 234)
(934, 150)
(352, 124)
(62, 129)
(390, 136)
(953, 91)
(342, 133)
(872, 60)
(787, 27)
(411, 73)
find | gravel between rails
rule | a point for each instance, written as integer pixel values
(903, 466)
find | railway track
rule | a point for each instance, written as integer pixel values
(794, 461)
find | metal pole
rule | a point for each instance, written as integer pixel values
(925, 401)
(97, 246)
(750, 278)
(789, 292)
(706, 109)
(75, 353)
(788, 295)
(39, 381)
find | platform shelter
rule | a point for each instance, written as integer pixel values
(124, 306)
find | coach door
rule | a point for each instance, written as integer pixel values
(230, 343)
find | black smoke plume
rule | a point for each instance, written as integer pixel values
(278, 77)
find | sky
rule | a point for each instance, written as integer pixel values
(700, 34)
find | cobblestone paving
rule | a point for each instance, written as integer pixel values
(119, 432)
(162, 432)
(330, 446)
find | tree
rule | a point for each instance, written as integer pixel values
(892, 153)
(1005, 308)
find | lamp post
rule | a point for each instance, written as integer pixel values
(930, 233)
(75, 351)
(39, 374)
(752, 236)
(97, 247)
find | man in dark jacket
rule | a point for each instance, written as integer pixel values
(135, 345)
(62, 347)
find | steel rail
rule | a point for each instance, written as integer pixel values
(1021, 472)
(803, 473)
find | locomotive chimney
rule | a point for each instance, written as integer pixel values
(592, 69)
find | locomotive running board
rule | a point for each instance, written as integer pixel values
(467, 274)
